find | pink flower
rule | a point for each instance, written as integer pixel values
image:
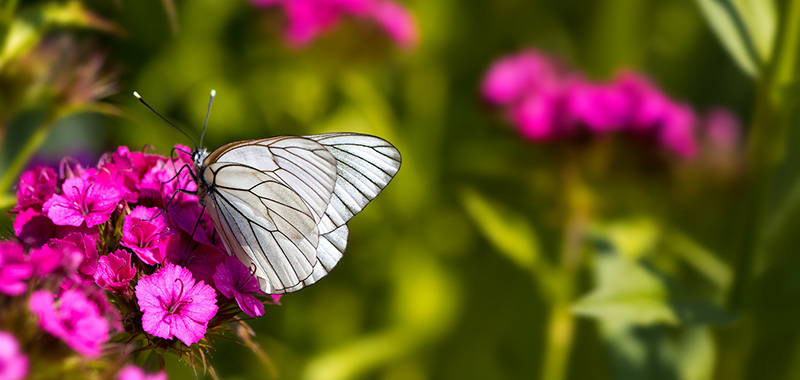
(14, 268)
(84, 200)
(160, 183)
(678, 132)
(537, 116)
(513, 77)
(234, 280)
(146, 236)
(132, 372)
(73, 318)
(13, 363)
(115, 271)
(78, 247)
(309, 18)
(174, 304)
(397, 22)
(600, 107)
(33, 228)
(722, 129)
(35, 187)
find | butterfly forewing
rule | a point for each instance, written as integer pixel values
(365, 165)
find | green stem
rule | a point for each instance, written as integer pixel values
(31, 146)
(561, 324)
(766, 148)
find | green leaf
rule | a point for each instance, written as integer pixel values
(726, 20)
(629, 293)
(510, 233)
(632, 292)
(632, 237)
(760, 20)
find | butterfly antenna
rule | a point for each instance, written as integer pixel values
(136, 94)
(208, 113)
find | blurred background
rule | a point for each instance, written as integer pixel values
(492, 254)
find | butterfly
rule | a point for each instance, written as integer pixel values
(281, 204)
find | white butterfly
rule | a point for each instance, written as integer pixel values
(281, 204)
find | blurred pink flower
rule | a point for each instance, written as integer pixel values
(146, 234)
(545, 100)
(13, 363)
(14, 268)
(599, 107)
(722, 129)
(537, 116)
(511, 78)
(115, 271)
(309, 18)
(174, 304)
(678, 132)
(397, 22)
(73, 318)
(132, 372)
(35, 187)
(234, 280)
(83, 247)
(83, 200)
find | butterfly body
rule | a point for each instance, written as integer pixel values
(281, 204)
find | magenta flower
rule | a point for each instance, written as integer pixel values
(511, 78)
(600, 107)
(174, 304)
(309, 18)
(14, 268)
(79, 247)
(115, 271)
(35, 187)
(160, 183)
(678, 132)
(537, 116)
(132, 372)
(146, 236)
(234, 280)
(13, 363)
(84, 200)
(545, 100)
(396, 21)
(73, 318)
(33, 228)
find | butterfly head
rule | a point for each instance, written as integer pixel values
(198, 157)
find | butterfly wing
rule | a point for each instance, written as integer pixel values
(266, 198)
(365, 165)
(282, 204)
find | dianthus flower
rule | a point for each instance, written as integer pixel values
(234, 280)
(146, 233)
(84, 201)
(175, 305)
(115, 271)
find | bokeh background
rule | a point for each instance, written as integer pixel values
(490, 256)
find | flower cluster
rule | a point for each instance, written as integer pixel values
(113, 254)
(309, 18)
(547, 100)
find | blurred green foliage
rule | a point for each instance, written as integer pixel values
(488, 257)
